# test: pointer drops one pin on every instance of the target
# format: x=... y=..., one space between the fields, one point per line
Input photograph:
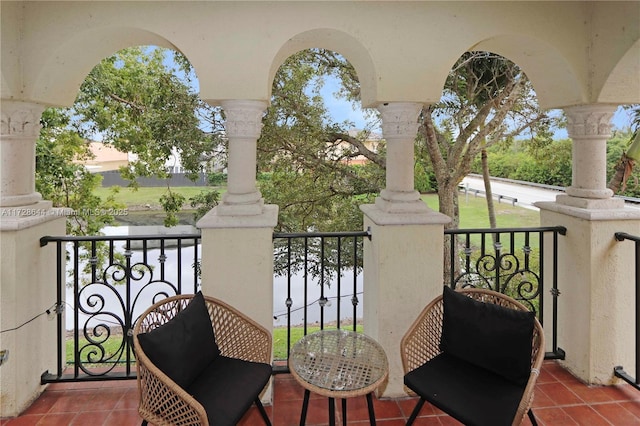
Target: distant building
x=106 y=158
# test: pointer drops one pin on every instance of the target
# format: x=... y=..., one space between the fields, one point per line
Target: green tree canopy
x=307 y=155
x=486 y=99
x=136 y=102
x=139 y=103
x=65 y=182
x=142 y=101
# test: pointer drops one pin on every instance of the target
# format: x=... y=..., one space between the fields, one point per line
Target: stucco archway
x=551 y=75
x=59 y=78
x=337 y=41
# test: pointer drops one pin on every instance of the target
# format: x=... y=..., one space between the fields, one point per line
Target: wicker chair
x=460 y=388
x=244 y=355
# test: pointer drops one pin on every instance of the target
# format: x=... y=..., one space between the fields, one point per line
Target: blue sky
x=341 y=110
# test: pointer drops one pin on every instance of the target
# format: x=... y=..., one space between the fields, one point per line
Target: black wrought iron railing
x=104 y=283
x=619 y=370
x=513 y=261
x=317 y=283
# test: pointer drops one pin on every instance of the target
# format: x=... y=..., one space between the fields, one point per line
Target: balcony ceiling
x=574 y=52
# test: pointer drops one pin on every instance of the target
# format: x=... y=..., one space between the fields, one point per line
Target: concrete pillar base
x=590 y=203
x=28 y=277
x=596 y=284
x=247 y=209
x=403 y=267
x=394 y=206
x=237 y=263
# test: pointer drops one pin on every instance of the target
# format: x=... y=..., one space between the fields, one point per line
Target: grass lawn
x=473 y=210
x=473 y=213
x=113 y=345
x=144 y=205
x=280 y=337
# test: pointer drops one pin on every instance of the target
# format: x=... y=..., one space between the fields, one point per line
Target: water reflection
x=166 y=266
x=151 y=274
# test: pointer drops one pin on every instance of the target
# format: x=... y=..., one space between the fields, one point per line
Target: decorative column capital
x=20 y=119
x=589 y=126
x=243 y=118
x=399 y=128
x=587 y=121
x=400 y=119
x=19 y=131
x=243 y=124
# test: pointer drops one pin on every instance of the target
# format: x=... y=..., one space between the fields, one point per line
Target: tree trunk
x=621 y=174
x=624 y=167
x=448 y=200
x=487 y=189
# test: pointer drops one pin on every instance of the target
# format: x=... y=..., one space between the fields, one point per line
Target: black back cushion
x=185 y=345
x=493 y=337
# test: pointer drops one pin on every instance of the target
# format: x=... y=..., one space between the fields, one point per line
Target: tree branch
x=359 y=146
x=126 y=102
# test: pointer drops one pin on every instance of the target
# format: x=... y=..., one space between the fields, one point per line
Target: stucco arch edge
x=554 y=79
x=337 y=41
x=623 y=83
x=62 y=72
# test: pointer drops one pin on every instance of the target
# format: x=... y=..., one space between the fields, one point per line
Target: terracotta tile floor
x=560 y=400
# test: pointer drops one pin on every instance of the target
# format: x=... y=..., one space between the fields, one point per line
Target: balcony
x=586 y=73
x=560 y=399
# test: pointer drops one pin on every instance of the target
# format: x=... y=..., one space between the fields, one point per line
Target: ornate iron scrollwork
x=106 y=310
x=502 y=272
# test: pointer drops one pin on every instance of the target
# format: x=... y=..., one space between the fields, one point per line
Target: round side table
x=338 y=364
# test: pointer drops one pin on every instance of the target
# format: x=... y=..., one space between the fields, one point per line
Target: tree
x=60 y=179
x=624 y=167
x=305 y=163
x=307 y=156
x=137 y=103
x=486 y=99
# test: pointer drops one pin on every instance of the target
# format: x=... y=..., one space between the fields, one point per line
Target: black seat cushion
x=474 y=396
x=490 y=336
x=227 y=388
x=183 y=346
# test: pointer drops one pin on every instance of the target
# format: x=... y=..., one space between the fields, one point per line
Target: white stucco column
x=403 y=261
x=242 y=125
x=237 y=235
x=589 y=126
x=27 y=271
x=399 y=128
x=595 y=274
